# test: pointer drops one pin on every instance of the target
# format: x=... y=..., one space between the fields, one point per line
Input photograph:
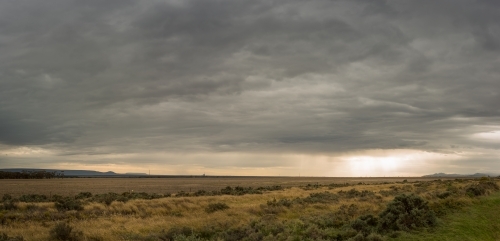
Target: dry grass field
x=307 y=209
x=73 y=186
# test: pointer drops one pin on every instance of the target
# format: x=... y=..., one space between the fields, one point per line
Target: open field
x=307 y=209
x=73 y=186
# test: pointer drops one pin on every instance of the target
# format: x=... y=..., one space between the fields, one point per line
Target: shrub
x=213 y=207
x=336 y=185
x=365 y=224
x=68 y=204
x=6 y=197
x=348 y=211
x=5 y=237
x=282 y=202
x=83 y=195
x=174 y=232
x=321 y=197
x=406 y=212
x=355 y=193
x=443 y=195
x=64 y=232
x=108 y=198
x=33 y=198
x=182 y=194
x=475 y=190
x=9 y=205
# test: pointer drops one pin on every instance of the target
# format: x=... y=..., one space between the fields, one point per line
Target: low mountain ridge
x=72 y=172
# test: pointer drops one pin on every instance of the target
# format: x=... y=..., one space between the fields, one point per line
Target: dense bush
x=482 y=188
x=406 y=212
x=353 y=193
x=67 y=204
x=443 y=195
x=213 y=207
x=64 y=232
x=83 y=195
x=33 y=198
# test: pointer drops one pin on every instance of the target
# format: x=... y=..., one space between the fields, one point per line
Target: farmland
x=235 y=208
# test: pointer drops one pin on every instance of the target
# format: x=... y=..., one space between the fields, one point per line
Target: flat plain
x=73 y=186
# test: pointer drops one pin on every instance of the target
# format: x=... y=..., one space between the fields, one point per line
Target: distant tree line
x=31 y=175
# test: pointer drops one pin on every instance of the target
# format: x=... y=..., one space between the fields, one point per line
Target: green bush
x=213 y=207
x=64 y=232
x=365 y=224
x=353 y=193
x=83 y=195
x=482 y=188
x=475 y=190
x=67 y=204
x=33 y=198
x=406 y=212
x=444 y=195
x=321 y=197
x=278 y=203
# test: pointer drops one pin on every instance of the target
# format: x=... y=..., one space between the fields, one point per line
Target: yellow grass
x=121 y=221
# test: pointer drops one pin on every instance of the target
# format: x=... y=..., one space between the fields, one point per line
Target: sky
x=251 y=87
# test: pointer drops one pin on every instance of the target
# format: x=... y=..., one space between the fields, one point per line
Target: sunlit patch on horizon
x=392 y=162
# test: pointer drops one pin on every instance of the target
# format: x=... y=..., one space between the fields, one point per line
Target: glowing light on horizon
x=392 y=162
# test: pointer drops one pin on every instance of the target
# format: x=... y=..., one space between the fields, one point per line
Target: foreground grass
x=480 y=222
x=312 y=212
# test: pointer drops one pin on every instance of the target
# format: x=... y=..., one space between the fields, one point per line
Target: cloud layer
x=86 y=82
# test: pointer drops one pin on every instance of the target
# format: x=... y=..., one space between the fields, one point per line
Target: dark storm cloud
x=103 y=77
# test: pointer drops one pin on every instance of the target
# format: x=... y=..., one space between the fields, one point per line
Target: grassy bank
x=479 y=221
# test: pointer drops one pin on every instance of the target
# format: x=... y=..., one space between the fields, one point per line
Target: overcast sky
x=224 y=87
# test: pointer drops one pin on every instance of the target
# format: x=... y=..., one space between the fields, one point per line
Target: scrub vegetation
x=403 y=210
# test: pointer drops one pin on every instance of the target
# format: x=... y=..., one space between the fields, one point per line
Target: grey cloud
x=109 y=77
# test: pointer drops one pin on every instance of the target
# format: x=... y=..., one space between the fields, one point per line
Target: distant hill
x=75 y=173
x=462 y=175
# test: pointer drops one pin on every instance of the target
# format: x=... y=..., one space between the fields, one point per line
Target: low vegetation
x=344 y=211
